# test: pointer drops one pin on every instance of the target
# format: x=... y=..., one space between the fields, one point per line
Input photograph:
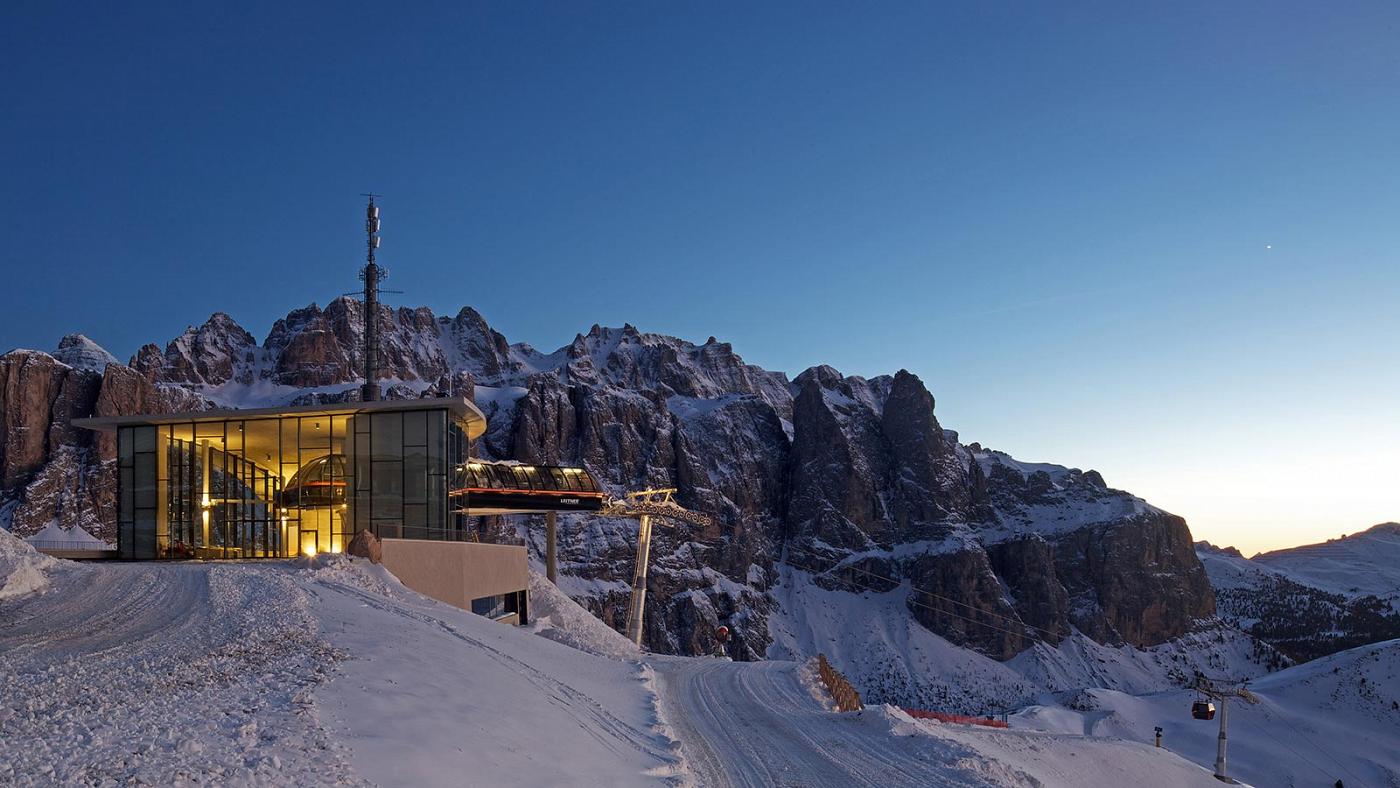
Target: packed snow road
x=757 y=724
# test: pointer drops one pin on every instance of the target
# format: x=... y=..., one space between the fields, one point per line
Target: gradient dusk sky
x=1164 y=244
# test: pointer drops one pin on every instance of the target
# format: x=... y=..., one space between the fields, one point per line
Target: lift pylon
x=644 y=505
x=1222 y=690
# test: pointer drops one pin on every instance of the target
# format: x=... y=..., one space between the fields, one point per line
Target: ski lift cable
x=931 y=608
x=916 y=603
x=1319 y=748
x=1015 y=622
x=1306 y=760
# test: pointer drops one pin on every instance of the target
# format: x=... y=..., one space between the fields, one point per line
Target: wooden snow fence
x=846 y=696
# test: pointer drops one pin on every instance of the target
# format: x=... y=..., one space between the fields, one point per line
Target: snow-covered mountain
x=851 y=482
x=1316 y=599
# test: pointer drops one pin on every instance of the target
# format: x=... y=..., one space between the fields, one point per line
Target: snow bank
x=555 y=616
x=349 y=570
x=23 y=570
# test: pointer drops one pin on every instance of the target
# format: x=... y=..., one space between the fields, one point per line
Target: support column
x=639 y=582
x=1220 y=743
x=551 y=568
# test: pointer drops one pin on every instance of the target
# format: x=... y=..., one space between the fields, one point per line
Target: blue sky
x=1059 y=216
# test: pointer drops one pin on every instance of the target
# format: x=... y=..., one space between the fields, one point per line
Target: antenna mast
x=371 y=275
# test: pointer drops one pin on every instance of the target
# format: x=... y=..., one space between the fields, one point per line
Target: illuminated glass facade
x=267 y=485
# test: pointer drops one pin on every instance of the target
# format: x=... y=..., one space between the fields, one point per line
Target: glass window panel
x=340 y=435
x=387 y=480
x=209 y=429
x=360 y=510
x=386 y=435
x=361 y=461
x=415 y=428
x=144 y=534
x=315 y=433
x=145 y=439
x=126 y=487
x=436 y=419
x=415 y=474
x=144 y=481
x=260 y=443
x=288 y=429
x=234 y=437
x=436 y=509
x=182 y=432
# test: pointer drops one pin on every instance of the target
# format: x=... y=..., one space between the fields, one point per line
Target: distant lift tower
x=1223 y=691
x=372 y=274
x=645 y=505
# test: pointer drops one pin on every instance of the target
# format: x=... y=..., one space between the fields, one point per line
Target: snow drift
x=23 y=570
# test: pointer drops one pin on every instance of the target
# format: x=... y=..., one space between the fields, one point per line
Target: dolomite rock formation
x=852 y=480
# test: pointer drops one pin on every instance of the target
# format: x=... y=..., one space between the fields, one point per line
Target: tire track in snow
x=753 y=724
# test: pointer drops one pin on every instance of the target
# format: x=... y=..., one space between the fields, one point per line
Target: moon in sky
x=1268 y=246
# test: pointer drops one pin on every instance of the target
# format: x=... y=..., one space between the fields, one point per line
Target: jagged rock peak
x=215 y=353
x=79 y=352
x=1206 y=547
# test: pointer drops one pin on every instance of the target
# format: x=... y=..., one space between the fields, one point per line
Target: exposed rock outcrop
x=853 y=480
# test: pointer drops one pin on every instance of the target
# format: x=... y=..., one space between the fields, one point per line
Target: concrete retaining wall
x=457 y=572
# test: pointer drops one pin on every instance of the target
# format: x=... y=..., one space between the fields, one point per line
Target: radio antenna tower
x=372 y=274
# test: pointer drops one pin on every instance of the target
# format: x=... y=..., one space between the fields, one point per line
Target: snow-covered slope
x=1362 y=564
x=892 y=659
x=485 y=703
x=328 y=671
x=1314 y=600
x=1335 y=718
x=302 y=673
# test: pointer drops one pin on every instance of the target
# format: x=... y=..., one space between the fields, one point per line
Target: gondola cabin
x=483 y=488
x=321 y=482
x=1203 y=710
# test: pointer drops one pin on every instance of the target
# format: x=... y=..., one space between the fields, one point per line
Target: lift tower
x=644 y=505
x=1222 y=690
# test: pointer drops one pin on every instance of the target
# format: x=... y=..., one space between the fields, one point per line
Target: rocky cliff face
x=853 y=482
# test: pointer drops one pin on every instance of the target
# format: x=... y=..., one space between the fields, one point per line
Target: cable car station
x=303 y=480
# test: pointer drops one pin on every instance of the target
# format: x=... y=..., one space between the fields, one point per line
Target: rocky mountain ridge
x=850 y=480
x=1312 y=600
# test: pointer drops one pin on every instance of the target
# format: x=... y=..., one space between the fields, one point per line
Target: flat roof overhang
x=466 y=413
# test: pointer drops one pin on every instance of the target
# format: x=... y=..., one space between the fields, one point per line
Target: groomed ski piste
x=328 y=671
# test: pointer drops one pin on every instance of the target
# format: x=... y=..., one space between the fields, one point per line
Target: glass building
x=277 y=482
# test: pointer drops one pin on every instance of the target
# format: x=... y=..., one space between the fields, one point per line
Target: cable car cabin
x=1203 y=710
x=510 y=488
x=320 y=482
